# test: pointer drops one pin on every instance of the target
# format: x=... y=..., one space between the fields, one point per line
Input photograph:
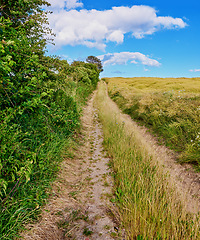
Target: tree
x=23 y=30
x=96 y=61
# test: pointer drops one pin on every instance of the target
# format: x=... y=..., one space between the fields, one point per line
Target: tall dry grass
x=170 y=107
x=149 y=205
x=150 y=84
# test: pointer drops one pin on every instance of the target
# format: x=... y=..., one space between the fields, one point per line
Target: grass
x=68 y=224
x=87 y=232
x=26 y=204
x=31 y=157
x=149 y=206
x=170 y=107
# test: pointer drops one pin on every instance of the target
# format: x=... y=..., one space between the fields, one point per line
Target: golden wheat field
x=148 y=84
x=168 y=106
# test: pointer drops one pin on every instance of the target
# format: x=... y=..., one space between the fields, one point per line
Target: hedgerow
x=40 y=104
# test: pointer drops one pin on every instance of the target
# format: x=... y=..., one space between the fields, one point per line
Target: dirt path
x=81 y=208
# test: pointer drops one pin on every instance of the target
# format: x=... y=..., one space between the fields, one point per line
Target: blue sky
x=134 y=38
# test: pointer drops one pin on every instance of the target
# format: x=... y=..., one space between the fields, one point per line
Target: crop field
x=149 y=204
x=170 y=107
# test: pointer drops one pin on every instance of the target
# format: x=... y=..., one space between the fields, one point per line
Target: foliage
x=40 y=103
x=96 y=61
x=85 y=72
x=170 y=107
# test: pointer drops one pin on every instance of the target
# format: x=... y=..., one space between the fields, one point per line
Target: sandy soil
x=81 y=208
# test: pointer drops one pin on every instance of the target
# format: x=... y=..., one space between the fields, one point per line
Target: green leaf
x=44 y=94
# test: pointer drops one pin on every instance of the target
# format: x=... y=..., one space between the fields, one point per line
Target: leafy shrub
x=40 y=104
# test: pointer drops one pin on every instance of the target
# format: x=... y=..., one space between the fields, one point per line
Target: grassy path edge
x=149 y=204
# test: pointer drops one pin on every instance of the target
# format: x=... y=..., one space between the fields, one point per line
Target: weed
x=73 y=194
x=87 y=232
x=59 y=213
x=107 y=227
x=63 y=224
x=97 y=217
x=113 y=234
x=106 y=184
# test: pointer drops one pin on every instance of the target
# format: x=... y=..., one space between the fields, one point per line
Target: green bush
x=40 y=103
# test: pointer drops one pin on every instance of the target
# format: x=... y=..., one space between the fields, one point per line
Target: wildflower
x=191 y=140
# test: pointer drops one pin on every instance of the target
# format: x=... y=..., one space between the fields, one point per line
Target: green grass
x=87 y=232
x=33 y=145
x=170 y=107
x=149 y=205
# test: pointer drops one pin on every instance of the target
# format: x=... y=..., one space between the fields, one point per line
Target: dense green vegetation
x=170 y=107
x=40 y=104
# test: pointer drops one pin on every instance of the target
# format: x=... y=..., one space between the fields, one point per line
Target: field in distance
x=168 y=106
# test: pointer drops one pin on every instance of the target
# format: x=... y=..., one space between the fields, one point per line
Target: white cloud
x=61 y=4
x=195 y=70
x=57 y=4
x=73 y=4
x=116 y=36
x=95 y=28
x=124 y=57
